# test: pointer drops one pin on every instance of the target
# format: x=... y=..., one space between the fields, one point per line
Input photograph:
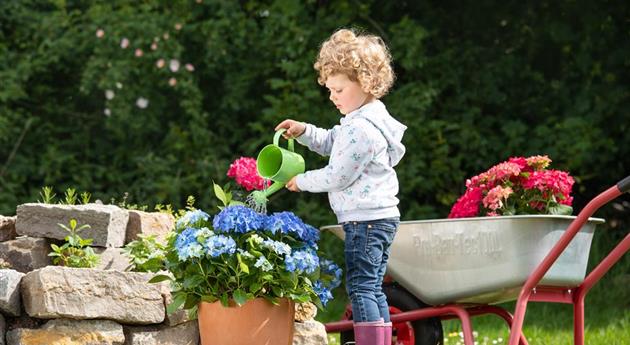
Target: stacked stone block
x=42 y=304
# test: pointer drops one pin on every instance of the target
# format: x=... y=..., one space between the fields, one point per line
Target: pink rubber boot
x=369 y=333
x=387 y=333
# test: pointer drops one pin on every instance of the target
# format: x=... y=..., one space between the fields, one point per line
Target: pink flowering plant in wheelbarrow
x=239 y=254
x=517 y=186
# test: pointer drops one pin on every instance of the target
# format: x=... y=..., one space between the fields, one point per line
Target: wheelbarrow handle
x=624 y=185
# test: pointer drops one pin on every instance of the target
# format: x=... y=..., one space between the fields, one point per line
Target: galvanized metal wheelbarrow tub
x=462 y=266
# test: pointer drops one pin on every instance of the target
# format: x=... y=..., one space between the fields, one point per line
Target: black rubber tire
x=426 y=331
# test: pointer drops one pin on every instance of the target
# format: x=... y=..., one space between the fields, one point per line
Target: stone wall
x=41 y=304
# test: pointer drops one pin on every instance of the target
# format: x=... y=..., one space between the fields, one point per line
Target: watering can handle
x=276 y=139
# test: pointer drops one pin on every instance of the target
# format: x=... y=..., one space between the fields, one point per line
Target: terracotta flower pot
x=257 y=322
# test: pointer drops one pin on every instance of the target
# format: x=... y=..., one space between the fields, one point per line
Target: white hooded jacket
x=359 y=178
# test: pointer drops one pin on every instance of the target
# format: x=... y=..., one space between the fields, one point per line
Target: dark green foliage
x=477 y=82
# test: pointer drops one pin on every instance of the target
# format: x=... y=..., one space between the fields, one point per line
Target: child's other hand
x=294 y=128
x=292 y=185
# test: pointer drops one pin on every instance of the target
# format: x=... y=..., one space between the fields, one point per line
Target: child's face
x=346 y=94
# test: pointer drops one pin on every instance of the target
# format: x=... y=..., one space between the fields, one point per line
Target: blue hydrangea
x=192 y=217
x=263 y=264
x=238 y=219
x=310 y=235
x=289 y=223
x=322 y=292
x=305 y=260
x=186 y=244
x=204 y=232
x=329 y=267
x=279 y=248
x=220 y=244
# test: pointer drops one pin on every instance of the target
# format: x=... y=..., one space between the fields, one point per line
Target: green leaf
x=191 y=301
x=218 y=192
x=255 y=287
x=241 y=264
x=178 y=300
x=240 y=297
x=301 y=298
x=560 y=209
x=224 y=299
x=160 y=278
x=209 y=299
x=192 y=282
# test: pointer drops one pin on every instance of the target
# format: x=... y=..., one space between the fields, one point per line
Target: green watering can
x=277 y=164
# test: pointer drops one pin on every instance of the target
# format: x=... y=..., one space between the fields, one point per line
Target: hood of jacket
x=376 y=113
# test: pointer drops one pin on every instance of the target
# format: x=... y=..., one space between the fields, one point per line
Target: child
x=360 y=177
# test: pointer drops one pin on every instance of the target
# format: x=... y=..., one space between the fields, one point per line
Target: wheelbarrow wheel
x=419 y=332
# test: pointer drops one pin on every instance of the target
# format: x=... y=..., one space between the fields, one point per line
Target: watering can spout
x=276 y=186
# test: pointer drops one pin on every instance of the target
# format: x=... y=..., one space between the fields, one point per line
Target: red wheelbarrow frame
x=531 y=291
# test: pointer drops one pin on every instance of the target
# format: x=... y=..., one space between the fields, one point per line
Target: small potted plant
x=240 y=269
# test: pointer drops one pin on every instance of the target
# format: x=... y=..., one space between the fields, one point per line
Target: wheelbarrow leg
x=593 y=277
x=516 y=331
x=466 y=324
x=500 y=312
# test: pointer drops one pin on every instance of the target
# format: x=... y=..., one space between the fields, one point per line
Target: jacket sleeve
x=351 y=154
x=318 y=139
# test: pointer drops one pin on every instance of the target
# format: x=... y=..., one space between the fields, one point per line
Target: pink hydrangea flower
x=517 y=186
x=538 y=162
x=495 y=197
x=468 y=204
x=244 y=171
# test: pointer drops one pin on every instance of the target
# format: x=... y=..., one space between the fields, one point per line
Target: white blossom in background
x=142 y=103
x=189 y=67
x=107 y=112
x=172 y=82
x=118 y=85
x=124 y=43
x=166 y=36
x=139 y=52
x=100 y=33
x=160 y=63
x=109 y=94
x=174 y=65
x=153 y=46
x=178 y=26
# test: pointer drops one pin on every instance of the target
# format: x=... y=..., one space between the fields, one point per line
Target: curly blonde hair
x=361 y=57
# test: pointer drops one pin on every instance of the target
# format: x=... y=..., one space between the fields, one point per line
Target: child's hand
x=292 y=185
x=294 y=128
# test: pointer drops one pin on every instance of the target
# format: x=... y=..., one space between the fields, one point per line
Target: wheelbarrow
x=458 y=268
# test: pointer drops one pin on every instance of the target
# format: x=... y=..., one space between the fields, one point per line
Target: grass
x=544 y=325
x=607 y=311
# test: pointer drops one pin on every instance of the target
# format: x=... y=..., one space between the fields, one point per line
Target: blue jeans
x=367 y=246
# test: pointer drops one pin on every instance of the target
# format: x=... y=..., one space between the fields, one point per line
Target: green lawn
x=549 y=325
x=542 y=328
